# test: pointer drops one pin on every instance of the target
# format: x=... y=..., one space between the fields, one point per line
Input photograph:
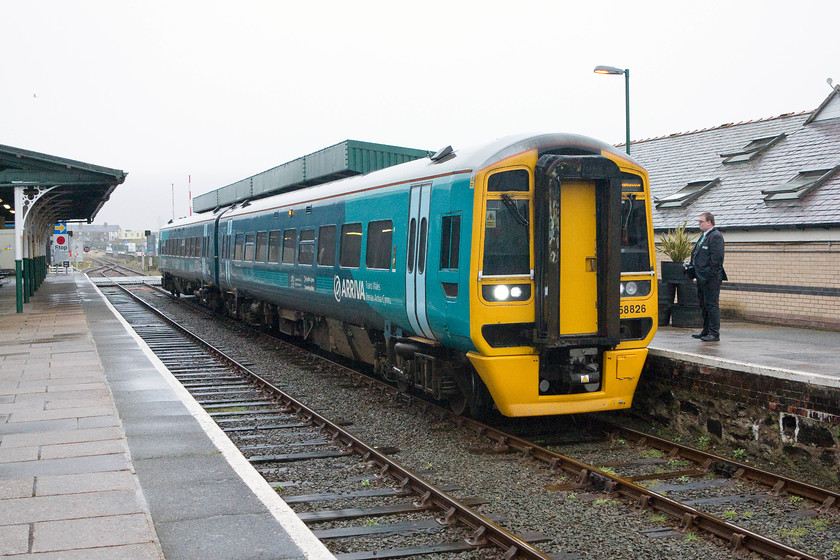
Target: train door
x=415 y=264
x=228 y=228
x=578 y=250
x=205 y=253
x=578 y=257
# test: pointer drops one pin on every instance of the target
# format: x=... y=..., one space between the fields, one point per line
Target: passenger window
x=306 y=248
x=326 y=246
x=412 y=238
x=239 y=249
x=249 y=247
x=182 y=252
x=449 y=242
x=351 y=245
x=289 y=246
x=378 y=253
x=262 y=246
x=516 y=180
x=421 y=258
x=274 y=238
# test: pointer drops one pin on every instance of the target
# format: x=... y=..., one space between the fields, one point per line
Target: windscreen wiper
x=511 y=205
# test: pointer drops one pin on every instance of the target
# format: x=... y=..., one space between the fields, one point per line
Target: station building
x=773 y=186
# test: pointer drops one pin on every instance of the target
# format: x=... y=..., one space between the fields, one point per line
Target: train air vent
x=443 y=154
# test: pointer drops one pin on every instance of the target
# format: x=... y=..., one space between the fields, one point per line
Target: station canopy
x=77 y=190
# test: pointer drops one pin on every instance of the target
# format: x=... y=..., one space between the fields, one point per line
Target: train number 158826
x=628 y=309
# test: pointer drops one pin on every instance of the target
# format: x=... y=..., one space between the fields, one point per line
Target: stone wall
x=772 y=417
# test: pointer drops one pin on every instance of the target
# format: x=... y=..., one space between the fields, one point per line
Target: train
x=516 y=275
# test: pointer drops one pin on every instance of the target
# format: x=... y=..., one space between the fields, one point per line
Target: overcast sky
x=219 y=91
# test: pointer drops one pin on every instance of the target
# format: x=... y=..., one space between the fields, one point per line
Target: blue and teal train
x=518 y=274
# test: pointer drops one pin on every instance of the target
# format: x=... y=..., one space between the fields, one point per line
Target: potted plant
x=676 y=244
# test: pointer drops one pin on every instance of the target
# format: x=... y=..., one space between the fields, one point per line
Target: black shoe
x=699 y=335
x=710 y=338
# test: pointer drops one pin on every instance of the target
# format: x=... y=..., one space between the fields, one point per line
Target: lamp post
x=618 y=71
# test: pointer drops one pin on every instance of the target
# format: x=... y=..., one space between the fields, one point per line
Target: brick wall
x=795 y=283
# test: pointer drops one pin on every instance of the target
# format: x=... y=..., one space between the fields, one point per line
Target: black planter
x=687 y=294
x=686 y=316
x=666 y=294
x=664 y=314
x=673 y=273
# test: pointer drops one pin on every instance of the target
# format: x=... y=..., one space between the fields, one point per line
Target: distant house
x=773 y=186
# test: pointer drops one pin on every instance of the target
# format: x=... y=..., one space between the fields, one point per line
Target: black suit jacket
x=707 y=257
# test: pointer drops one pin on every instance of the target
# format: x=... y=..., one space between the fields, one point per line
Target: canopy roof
x=81 y=188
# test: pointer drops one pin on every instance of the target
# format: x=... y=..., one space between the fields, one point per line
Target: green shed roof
x=344 y=159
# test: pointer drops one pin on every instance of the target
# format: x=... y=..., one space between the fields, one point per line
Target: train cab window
x=326 y=246
x=507 y=181
x=506 y=237
x=289 y=246
x=450 y=236
x=378 y=252
x=306 y=247
x=274 y=238
x=635 y=255
x=239 y=247
x=351 y=245
x=262 y=246
x=250 y=246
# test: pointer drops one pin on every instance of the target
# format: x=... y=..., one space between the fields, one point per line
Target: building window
x=378 y=252
x=685 y=195
x=351 y=245
x=306 y=247
x=326 y=246
x=449 y=237
x=799 y=186
x=289 y=238
x=752 y=150
x=262 y=246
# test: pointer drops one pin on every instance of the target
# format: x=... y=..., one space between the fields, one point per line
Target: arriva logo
x=351 y=289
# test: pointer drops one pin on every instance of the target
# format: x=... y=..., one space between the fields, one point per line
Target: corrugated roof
x=737 y=200
x=344 y=159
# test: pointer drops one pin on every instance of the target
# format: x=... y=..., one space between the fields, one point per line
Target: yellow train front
x=563 y=294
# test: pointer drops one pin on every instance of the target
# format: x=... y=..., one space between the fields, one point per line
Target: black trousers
x=708 y=293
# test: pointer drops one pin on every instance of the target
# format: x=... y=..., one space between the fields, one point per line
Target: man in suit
x=707 y=258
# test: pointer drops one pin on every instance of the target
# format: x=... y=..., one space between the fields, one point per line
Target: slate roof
x=737 y=200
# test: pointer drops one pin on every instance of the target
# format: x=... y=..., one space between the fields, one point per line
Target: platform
x=104 y=455
x=793 y=354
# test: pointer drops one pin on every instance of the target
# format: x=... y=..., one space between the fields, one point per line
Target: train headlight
x=506 y=292
x=635 y=288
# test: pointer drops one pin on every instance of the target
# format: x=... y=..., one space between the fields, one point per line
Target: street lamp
x=618 y=71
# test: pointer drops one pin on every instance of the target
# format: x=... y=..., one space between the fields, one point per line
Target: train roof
x=446 y=162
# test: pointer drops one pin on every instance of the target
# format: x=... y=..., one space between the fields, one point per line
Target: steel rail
x=779 y=483
x=485 y=532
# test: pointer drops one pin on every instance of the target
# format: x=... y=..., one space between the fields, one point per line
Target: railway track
x=274 y=429
x=648 y=472
x=108 y=268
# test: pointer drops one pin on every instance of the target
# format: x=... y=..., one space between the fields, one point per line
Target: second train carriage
x=519 y=272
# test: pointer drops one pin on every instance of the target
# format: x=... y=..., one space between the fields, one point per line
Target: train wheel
x=458 y=404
